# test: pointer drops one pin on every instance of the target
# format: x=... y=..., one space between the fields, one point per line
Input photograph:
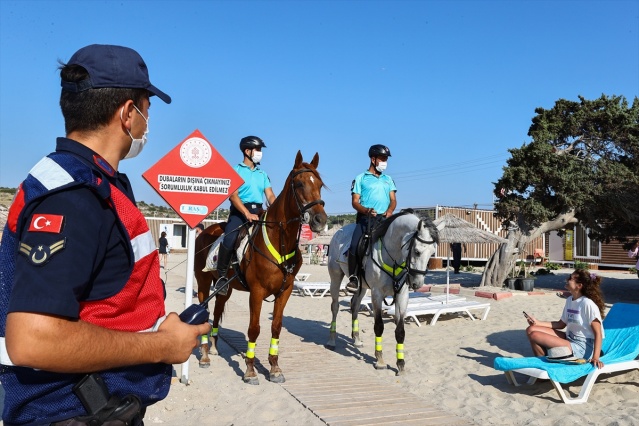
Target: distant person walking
x=456 y=248
x=634 y=253
x=164 y=249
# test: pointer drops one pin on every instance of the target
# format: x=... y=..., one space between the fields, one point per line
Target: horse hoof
x=251 y=380
x=358 y=344
x=205 y=364
x=276 y=378
x=330 y=347
x=400 y=373
x=380 y=366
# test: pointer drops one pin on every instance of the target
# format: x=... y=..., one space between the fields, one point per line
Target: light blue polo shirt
x=255 y=182
x=374 y=191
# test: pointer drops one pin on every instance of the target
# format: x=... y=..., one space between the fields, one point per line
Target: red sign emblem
x=193 y=178
x=46 y=223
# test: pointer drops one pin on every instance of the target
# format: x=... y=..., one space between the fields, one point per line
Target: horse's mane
x=380 y=231
x=432 y=229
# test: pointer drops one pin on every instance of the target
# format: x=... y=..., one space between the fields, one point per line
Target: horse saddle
x=240 y=248
x=364 y=245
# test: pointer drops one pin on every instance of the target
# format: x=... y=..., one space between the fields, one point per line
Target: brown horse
x=271 y=261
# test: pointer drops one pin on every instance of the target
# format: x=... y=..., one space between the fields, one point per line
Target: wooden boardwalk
x=348 y=394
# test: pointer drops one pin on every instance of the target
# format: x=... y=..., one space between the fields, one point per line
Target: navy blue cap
x=112 y=66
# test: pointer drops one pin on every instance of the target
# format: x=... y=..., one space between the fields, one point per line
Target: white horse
x=401 y=249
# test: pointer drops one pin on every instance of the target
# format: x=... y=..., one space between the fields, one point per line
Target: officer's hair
x=92 y=109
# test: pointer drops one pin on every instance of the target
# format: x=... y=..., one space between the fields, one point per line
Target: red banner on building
x=306 y=233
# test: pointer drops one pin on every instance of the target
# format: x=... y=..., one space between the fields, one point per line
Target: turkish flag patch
x=46 y=223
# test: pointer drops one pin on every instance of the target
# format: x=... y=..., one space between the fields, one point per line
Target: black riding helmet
x=251 y=142
x=379 y=151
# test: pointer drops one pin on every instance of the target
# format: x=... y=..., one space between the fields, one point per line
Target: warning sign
x=193 y=178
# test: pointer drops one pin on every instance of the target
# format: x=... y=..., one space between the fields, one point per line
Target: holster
x=104 y=409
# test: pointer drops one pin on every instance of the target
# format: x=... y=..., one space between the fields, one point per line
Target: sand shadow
x=317 y=333
x=183 y=289
x=237 y=341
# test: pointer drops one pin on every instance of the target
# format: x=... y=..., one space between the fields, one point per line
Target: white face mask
x=257 y=157
x=137 y=145
x=381 y=166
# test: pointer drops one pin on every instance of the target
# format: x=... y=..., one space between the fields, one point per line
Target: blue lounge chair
x=620 y=348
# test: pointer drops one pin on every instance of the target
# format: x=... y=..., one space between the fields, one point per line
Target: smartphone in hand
x=526 y=315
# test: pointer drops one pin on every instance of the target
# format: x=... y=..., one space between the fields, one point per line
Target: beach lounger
x=620 y=350
x=314 y=289
x=414 y=298
x=302 y=277
x=438 y=308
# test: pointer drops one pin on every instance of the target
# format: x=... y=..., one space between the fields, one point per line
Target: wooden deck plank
x=363 y=399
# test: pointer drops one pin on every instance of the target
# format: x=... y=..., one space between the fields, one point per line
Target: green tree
x=582 y=165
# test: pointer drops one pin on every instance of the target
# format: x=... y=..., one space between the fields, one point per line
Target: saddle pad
x=211 y=258
x=343 y=256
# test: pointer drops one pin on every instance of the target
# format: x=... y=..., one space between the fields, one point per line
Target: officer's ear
x=125 y=115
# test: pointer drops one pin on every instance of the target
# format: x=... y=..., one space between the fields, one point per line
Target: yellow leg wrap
x=333 y=327
x=214 y=331
x=273 y=350
x=250 y=350
x=400 y=351
x=378 y=343
x=204 y=340
x=355 y=325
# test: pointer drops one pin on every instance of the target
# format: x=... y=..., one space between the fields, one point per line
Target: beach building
x=573 y=245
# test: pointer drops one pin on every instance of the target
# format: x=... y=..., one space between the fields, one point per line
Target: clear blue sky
x=449 y=86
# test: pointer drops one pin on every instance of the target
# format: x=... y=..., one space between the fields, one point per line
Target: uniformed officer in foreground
x=81 y=301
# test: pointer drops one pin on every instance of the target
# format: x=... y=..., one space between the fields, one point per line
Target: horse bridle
x=303 y=208
x=411 y=245
x=304 y=217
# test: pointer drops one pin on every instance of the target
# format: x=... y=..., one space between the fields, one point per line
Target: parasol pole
x=447 y=277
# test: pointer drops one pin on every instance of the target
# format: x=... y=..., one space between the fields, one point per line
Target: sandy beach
x=449 y=365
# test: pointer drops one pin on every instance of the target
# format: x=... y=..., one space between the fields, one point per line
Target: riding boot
x=353 y=281
x=223 y=261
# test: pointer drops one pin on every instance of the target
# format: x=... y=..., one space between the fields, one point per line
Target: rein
x=286 y=262
x=304 y=215
x=399 y=271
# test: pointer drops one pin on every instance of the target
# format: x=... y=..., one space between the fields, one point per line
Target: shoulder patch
x=103 y=164
x=16 y=208
x=46 y=223
x=41 y=254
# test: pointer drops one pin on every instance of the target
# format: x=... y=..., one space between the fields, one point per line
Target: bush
x=581 y=265
x=552 y=266
x=632 y=270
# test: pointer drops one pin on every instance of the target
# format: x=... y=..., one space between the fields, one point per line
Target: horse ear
x=298 y=160
x=315 y=160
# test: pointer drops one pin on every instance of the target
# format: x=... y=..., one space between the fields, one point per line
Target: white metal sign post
x=194 y=179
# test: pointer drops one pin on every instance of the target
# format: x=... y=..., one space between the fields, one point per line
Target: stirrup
x=222 y=286
x=353 y=284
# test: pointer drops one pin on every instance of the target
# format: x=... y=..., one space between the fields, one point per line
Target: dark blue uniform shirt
x=96 y=260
